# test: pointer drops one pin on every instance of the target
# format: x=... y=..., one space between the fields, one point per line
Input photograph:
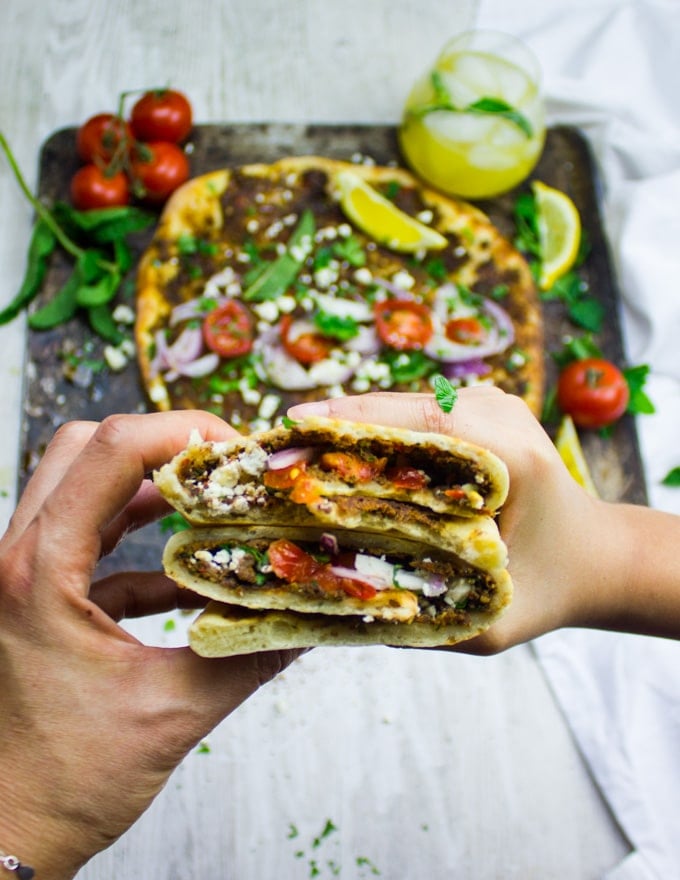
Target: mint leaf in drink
x=503 y=109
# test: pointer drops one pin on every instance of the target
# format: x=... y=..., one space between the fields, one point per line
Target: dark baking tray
x=51 y=399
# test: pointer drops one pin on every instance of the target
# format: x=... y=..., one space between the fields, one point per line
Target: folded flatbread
x=329 y=532
x=278 y=586
x=317 y=463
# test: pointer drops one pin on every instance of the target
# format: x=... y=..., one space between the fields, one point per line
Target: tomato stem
x=44 y=213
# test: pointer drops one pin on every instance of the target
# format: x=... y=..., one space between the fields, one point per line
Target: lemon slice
x=559 y=232
x=570 y=450
x=382 y=220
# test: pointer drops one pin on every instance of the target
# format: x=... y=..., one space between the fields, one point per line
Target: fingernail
x=315 y=408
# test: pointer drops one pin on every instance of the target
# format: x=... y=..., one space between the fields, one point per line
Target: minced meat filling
x=246 y=566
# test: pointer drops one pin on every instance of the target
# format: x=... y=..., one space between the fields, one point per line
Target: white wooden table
x=427 y=764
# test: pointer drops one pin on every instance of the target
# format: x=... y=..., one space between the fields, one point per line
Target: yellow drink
x=473 y=125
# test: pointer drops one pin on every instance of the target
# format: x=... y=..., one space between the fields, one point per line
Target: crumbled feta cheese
x=344 y=230
x=267 y=311
x=425 y=216
x=253 y=225
x=403 y=280
x=115 y=358
x=363 y=276
x=268 y=406
x=123 y=314
x=286 y=304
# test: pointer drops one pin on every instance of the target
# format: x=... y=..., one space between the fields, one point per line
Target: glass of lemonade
x=473 y=125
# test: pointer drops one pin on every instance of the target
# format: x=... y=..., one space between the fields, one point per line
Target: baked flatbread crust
x=212 y=224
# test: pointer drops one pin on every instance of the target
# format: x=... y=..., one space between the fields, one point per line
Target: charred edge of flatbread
x=195 y=209
x=223 y=630
x=191 y=559
x=187 y=482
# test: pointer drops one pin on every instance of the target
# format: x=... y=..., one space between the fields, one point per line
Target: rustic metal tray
x=50 y=398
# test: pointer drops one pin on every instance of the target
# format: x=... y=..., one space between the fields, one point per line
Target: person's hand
x=550 y=525
x=92 y=722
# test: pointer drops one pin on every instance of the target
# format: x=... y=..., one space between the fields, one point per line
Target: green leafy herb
x=203 y=748
x=173 y=522
x=281 y=272
x=327 y=830
x=436 y=269
x=169 y=625
x=672 y=478
x=335 y=326
x=364 y=862
x=288 y=423
x=351 y=250
x=444 y=392
x=639 y=403
x=292 y=832
x=409 y=366
x=95 y=241
x=484 y=105
x=576 y=349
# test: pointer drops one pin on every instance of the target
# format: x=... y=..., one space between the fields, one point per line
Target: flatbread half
x=329 y=468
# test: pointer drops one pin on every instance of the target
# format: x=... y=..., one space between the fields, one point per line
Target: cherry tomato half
x=228 y=330
x=161 y=115
x=403 y=324
x=466 y=331
x=91 y=187
x=159 y=169
x=101 y=137
x=294 y=565
x=306 y=348
x=593 y=391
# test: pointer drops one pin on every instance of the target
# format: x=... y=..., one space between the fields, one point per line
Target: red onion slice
x=195 y=308
x=287 y=457
x=352 y=574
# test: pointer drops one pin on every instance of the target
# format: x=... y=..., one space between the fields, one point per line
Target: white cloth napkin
x=611 y=68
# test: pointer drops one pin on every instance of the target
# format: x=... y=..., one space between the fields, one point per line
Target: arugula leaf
x=444 y=392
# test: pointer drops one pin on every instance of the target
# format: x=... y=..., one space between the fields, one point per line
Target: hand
x=92 y=722
x=549 y=523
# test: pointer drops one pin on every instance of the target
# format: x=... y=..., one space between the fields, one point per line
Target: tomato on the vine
x=92 y=187
x=158 y=170
x=228 y=331
x=102 y=137
x=403 y=323
x=593 y=391
x=162 y=115
x=307 y=348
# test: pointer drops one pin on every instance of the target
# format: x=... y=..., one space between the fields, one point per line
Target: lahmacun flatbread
x=258 y=292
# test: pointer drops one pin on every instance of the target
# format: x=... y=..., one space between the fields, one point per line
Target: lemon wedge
x=379 y=218
x=559 y=232
x=569 y=447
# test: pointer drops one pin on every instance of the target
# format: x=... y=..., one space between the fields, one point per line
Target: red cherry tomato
x=307 y=348
x=594 y=392
x=91 y=187
x=294 y=565
x=406 y=477
x=158 y=170
x=403 y=324
x=466 y=331
x=161 y=115
x=352 y=468
x=101 y=137
x=228 y=330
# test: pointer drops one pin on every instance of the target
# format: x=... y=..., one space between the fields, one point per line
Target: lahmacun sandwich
x=316 y=462
x=357 y=559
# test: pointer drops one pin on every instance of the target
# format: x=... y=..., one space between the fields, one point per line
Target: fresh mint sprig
x=484 y=105
x=444 y=393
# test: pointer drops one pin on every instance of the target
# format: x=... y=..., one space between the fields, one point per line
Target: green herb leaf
x=43 y=242
x=281 y=272
x=350 y=249
x=576 y=349
x=336 y=326
x=102 y=323
x=173 y=522
x=444 y=392
x=639 y=403
x=527 y=238
x=504 y=110
x=409 y=366
x=102 y=225
x=672 y=478
x=100 y=292
x=587 y=313
x=61 y=308
x=288 y=423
